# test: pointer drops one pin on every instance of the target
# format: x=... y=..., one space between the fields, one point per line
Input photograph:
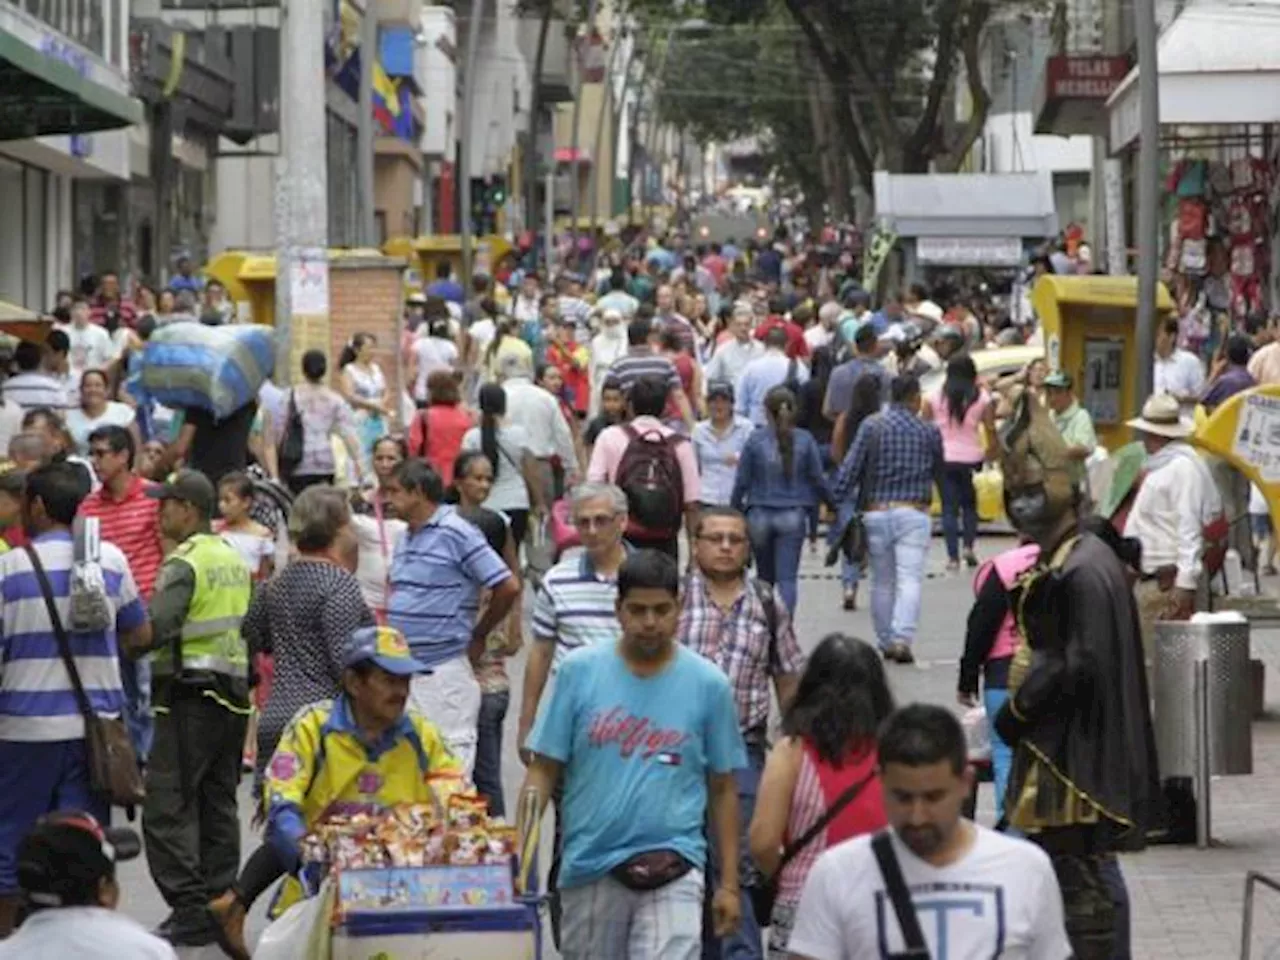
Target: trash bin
x=1224 y=647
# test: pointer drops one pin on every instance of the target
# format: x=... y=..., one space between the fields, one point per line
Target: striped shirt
x=34 y=389
x=132 y=523
x=576 y=607
x=437 y=573
x=640 y=362
x=37 y=702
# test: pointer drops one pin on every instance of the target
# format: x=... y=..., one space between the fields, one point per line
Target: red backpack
x=649 y=474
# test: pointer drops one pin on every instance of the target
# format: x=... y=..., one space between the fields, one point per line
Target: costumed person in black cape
x=1083 y=778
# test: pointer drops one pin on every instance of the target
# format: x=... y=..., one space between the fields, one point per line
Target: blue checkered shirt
x=907 y=460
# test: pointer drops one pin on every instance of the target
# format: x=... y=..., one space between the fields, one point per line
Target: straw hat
x=1162 y=416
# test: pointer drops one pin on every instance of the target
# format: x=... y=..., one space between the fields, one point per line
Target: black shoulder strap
x=850 y=794
x=875 y=438
x=765 y=593
x=64 y=644
x=896 y=887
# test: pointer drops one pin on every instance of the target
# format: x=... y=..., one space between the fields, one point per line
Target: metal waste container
x=1218 y=654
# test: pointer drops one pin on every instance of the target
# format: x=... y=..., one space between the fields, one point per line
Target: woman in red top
x=829 y=746
x=570 y=359
x=437 y=431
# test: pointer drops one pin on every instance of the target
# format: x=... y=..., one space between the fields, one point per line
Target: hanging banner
x=309 y=283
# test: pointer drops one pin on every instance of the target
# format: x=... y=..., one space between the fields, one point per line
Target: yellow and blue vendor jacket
x=324 y=766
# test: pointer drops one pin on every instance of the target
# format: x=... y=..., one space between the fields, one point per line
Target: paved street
x=1186 y=903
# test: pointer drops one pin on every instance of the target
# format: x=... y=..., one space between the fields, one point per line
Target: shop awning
x=967 y=205
x=42 y=95
x=1219 y=65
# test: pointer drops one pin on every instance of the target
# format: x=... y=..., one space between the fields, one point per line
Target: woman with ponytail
x=828 y=748
x=507 y=447
x=780 y=479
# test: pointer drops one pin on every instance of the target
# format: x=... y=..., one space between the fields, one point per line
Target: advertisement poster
x=1100 y=391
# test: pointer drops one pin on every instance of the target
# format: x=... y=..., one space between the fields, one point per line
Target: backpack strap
x=767 y=600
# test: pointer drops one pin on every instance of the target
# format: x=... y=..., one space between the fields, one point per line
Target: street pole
x=302 y=191
x=364 y=126
x=548 y=215
x=576 y=132
x=464 y=131
x=1148 y=233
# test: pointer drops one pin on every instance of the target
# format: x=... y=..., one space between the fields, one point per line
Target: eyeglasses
x=597 y=522
x=723 y=539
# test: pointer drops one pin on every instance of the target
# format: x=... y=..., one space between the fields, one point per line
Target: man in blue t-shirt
x=644 y=733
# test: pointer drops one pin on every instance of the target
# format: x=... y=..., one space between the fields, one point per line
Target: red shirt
x=797 y=347
x=436 y=436
x=575 y=376
x=15 y=536
x=132 y=523
x=125 y=310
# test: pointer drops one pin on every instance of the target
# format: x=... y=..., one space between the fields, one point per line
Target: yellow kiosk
x=424 y=254
x=1244 y=430
x=250 y=279
x=1090 y=333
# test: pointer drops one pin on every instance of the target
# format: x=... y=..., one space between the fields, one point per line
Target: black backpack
x=649 y=474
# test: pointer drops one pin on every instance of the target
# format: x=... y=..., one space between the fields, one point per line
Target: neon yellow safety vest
x=211 y=635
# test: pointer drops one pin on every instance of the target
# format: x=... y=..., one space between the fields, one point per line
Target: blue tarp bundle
x=218 y=369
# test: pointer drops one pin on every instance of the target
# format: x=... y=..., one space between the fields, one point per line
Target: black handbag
x=763 y=896
x=900 y=897
x=292 y=443
x=851 y=541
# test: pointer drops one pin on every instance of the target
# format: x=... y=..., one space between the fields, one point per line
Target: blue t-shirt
x=637 y=752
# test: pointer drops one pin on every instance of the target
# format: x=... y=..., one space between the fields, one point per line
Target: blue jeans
x=488 y=770
x=136 y=677
x=850 y=573
x=747 y=942
x=959 y=504
x=1001 y=752
x=898 y=543
x=777 y=537
x=38 y=778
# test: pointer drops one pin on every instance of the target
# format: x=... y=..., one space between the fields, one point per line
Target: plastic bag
x=977 y=733
x=301 y=931
x=539 y=553
x=218 y=369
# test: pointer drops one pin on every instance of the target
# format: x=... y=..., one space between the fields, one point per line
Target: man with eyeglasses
x=742 y=626
x=576 y=607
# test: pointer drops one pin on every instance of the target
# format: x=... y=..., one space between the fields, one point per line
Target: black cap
x=720 y=390
x=189 y=486
x=66 y=854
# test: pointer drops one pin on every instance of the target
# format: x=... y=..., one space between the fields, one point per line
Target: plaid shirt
x=907 y=460
x=125 y=309
x=737 y=641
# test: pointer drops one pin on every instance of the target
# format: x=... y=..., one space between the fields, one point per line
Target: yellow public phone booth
x=250 y=279
x=1090 y=333
x=1244 y=430
x=225 y=268
x=424 y=254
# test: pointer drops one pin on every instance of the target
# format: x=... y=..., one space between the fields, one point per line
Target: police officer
x=201 y=694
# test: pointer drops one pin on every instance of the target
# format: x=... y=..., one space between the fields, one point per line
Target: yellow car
x=992 y=365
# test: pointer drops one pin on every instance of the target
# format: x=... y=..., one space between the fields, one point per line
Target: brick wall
x=366 y=296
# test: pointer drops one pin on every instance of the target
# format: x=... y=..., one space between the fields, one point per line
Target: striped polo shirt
x=640 y=362
x=436 y=576
x=576 y=607
x=36 y=697
x=132 y=523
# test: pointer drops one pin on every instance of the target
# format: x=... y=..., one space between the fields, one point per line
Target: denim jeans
x=959 y=504
x=777 y=537
x=898 y=543
x=488 y=773
x=1001 y=752
x=747 y=942
x=136 y=678
x=850 y=573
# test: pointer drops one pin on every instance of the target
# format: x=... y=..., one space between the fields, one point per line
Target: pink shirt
x=612 y=443
x=960 y=442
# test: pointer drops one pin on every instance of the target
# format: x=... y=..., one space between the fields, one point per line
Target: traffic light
x=497 y=193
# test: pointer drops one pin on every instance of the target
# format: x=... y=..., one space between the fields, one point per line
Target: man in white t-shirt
x=67 y=872
x=91 y=347
x=976 y=893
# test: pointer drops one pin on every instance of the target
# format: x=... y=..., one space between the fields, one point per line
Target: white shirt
x=523 y=308
x=482 y=333
x=36 y=389
x=817 y=336
x=433 y=353
x=377 y=545
x=1000 y=899
x=547 y=432
x=730 y=359
x=1176 y=499
x=91 y=347
x=81 y=424
x=509 y=491
x=10 y=423
x=1181 y=374
x=86 y=933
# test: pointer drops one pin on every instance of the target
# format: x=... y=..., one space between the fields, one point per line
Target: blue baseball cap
x=383 y=646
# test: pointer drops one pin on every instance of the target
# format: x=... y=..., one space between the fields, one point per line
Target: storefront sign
x=969 y=251
x=1084 y=78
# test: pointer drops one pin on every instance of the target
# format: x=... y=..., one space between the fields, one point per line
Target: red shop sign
x=1084 y=78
